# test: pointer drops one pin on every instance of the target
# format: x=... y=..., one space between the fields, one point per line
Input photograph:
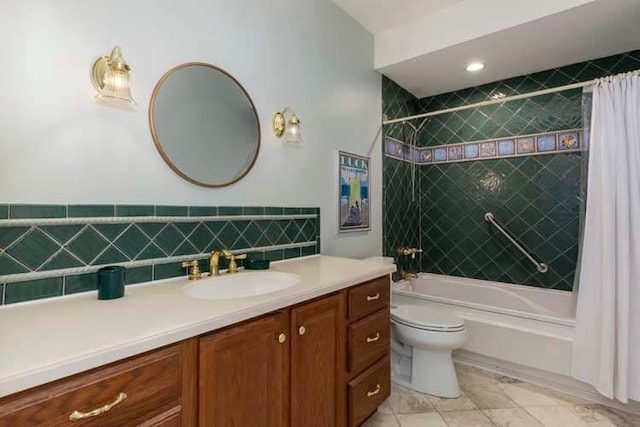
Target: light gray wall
x=59 y=146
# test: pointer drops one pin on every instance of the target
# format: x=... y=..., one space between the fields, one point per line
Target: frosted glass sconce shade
x=288 y=130
x=111 y=77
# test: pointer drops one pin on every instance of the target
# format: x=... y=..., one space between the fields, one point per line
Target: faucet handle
x=408 y=251
x=193 y=269
x=233 y=267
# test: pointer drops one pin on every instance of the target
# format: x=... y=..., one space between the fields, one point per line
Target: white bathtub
x=520 y=325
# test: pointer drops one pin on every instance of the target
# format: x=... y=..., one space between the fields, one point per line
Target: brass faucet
x=406 y=251
x=214 y=261
x=193 y=269
x=409 y=251
x=407 y=275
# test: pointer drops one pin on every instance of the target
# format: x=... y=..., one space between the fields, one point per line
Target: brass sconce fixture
x=110 y=76
x=289 y=130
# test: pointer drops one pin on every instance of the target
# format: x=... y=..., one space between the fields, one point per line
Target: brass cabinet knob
x=282 y=338
x=302 y=330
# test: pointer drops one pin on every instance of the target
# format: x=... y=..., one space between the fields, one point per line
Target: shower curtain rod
x=493 y=101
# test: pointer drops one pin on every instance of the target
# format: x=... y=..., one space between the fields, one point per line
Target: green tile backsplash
x=90 y=235
x=37 y=211
x=34 y=289
x=537 y=198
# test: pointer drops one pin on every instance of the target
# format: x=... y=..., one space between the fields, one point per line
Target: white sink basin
x=241 y=285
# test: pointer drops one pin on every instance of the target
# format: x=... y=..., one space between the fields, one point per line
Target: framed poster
x=353 y=190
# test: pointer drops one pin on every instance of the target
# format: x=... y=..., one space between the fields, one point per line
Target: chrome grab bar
x=540 y=266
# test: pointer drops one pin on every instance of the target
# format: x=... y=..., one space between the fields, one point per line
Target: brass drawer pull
x=374 y=339
x=374 y=392
x=302 y=330
x=77 y=415
x=282 y=338
x=373 y=297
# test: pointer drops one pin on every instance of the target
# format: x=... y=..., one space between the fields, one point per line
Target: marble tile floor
x=492 y=400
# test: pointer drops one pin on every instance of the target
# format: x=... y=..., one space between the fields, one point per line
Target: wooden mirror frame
x=156 y=139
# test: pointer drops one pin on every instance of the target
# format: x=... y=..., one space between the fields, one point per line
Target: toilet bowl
x=428 y=336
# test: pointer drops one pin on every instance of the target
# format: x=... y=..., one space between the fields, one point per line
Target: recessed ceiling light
x=475 y=66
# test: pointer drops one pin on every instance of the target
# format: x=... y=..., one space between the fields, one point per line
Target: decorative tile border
x=4 y=223
x=398 y=149
x=45 y=247
x=516 y=146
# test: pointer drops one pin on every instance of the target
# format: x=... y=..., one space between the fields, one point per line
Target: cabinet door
x=242 y=375
x=317 y=362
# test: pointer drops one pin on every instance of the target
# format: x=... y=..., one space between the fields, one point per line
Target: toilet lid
x=427 y=318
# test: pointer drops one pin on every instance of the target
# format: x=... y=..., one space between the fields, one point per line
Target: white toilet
x=427 y=336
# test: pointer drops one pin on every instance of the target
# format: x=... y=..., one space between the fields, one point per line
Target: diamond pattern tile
x=87 y=244
x=401 y=218
x=396 y=102
x=132 y=241
x=201 y=237
x=540 y=209
x=8 y=265
x=34 y=248
x=10 y=235
x=546 y=113
x=110 y=256
x=62 y=259
x=169 y=239
x=536 y=198
x=52 y=247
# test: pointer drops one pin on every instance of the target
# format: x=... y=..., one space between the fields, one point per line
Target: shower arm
x=540 y=266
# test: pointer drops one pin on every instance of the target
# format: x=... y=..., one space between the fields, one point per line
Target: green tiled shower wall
x=401 y=212
x=401 y=219
x=31 y=245
x=537 y=198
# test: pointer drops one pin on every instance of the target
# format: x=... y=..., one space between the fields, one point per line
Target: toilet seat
x=427 y=319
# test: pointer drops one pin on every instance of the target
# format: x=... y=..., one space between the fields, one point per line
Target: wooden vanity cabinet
x=243 y=374
x=331 y=370
x=322 y=363
x=279 y=370
x=317 y=363
x=368 y=337
x=156 y=389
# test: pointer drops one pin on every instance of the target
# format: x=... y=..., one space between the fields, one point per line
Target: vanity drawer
x=368 y=340
x=147 y=388
x=369 y=297
x=368 y=391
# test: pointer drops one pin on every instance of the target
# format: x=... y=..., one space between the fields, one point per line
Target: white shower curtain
x=606 y=348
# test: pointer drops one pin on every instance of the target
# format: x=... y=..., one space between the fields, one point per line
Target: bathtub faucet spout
x=409 y=251
x=406 y=257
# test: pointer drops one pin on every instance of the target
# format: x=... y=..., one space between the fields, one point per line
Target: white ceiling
x=425 y=50
x=380 y=15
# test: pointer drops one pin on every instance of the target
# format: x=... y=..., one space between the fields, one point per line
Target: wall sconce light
x=110 y=76
x=288 y=130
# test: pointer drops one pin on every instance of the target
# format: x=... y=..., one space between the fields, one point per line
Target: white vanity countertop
x=45 y=340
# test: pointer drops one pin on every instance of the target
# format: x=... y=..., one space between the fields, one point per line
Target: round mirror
x=204 y=124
